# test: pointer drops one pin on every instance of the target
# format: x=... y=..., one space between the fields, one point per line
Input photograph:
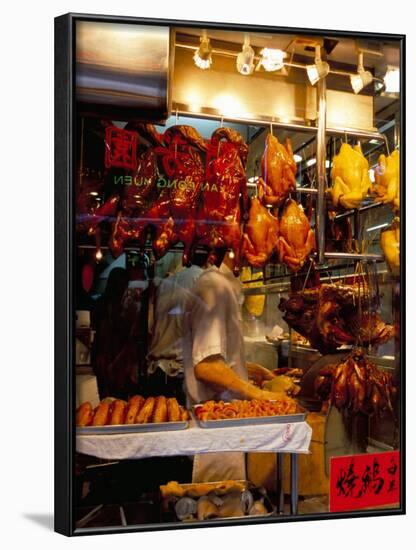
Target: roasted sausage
x=133 y=408
x=145 y=414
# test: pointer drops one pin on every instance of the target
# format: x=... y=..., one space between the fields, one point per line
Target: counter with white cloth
x=291 y=438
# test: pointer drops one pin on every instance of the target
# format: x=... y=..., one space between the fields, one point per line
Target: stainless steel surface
x=266 y=121
x=122 y=70
x=132 y=428
x=350 y=256
x=230 y=422
x=293 y=484
x=321 y=172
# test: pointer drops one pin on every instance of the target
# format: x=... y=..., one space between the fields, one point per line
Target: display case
x=228 y=277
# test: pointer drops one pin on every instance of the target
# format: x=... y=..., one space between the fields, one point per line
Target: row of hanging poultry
x=178 y=187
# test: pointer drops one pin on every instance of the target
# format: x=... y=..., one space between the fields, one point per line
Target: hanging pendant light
x=363 y=78
x=245 y=59
x=319 y=69
x=202 y=56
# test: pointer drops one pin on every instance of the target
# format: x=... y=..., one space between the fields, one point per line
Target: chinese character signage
x=120 y=148
x=364 y=481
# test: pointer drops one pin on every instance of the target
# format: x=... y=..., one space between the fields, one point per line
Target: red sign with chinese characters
x=120 y=148
x=364 y=481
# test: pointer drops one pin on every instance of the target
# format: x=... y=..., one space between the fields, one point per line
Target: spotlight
x=363 y=78
x=245 y=59
x=272 y=60
x=320 y=68
x=202 y=56
x=297 y=158
x=392 y=80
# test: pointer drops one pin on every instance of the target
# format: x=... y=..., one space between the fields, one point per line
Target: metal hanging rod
x=278 y=124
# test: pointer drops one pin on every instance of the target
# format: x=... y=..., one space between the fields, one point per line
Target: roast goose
x=331 y=315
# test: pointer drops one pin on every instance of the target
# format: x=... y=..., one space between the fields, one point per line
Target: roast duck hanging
x=173 y=214
x=278 y=168
x=331 y=315
x=357 y=385
x=350 y=178
x=224 y=196
x=138 y=192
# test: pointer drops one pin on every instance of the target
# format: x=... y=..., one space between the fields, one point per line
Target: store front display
x=228 y=274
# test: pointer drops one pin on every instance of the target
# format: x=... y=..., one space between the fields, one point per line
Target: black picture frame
x=64 y=383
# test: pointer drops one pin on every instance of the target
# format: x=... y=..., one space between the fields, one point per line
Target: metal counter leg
x=293 y=483
x=279 y=483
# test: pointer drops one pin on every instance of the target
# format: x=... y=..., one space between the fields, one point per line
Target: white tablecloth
x=285 y=438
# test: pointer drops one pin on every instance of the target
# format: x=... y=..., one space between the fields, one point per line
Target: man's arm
x=215 y=372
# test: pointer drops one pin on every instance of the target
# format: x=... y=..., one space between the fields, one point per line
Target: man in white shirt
x=214 y=359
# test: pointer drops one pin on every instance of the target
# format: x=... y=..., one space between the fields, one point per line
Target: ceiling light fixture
x=392 y=80
x=202 y=56
x=319 y=70
x=245 y=59
x=272 y=60
x=363 y=78
x=297 y=158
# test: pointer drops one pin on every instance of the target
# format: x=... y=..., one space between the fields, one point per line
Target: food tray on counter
x=299 y=416
x=133 y=428
x=192 y=492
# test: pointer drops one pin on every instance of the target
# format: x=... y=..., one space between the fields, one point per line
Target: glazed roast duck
x=224 y=198
x=136 y=198
x=331 y=315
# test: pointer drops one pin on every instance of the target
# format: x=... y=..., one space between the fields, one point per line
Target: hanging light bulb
x=363 y=78
x=245 y=59
x=319 y=69
x=202 y=56
x=272 y=60
x=392 y=80
x=98 y=255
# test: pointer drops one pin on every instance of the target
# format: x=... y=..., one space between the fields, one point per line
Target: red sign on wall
x=364 y=481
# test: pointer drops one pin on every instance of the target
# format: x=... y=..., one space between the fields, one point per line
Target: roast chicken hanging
x=297 y=239
x=261 y=232
x=350 y=178
x=278 y=170
x=387 y=180
x=390 y=244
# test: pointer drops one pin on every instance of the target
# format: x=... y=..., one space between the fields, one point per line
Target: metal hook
x=176 y=116
x=271 y=128
x=222 y=121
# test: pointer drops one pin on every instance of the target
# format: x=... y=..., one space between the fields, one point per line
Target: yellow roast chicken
x=297 y=239
x=253 y=303
x=390 y=244
x=350 y=178
x=387 y=179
